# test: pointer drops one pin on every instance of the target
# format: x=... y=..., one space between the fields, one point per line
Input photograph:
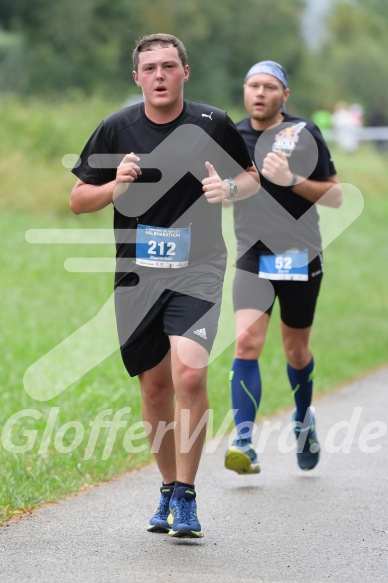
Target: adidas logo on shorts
x=201 y=332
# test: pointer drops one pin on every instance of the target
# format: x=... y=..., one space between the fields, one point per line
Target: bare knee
x=155 y=393
x=189 y=382
x=298 y=356
x=248 y=345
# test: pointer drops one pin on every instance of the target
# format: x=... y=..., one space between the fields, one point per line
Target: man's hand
x=215 y=189
x=276 y=169
x=126 y=173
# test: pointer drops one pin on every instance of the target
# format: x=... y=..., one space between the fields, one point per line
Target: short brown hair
x=146 y=43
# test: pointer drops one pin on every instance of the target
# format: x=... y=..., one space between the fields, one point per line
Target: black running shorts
x=148 y=314
x=297 y=299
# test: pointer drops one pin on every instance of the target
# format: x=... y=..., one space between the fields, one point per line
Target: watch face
x=233 y=192
x=233 y=189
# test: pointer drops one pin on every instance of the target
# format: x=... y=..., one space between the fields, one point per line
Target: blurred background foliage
x=61 y=49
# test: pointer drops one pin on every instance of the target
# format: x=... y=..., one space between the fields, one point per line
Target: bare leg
x=251 y=330
x=296 y=345
x=158 y=406
x=192 y=405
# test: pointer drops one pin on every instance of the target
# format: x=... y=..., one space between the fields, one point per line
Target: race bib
x=162 y=247
x=291 y=265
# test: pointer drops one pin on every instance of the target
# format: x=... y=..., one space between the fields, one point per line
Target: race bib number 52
x=291 y=265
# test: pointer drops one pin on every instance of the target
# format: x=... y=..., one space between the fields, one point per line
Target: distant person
x=296 y=170
x=345 y=126
x=357 y=111
x=170 y=254
x=322 y=118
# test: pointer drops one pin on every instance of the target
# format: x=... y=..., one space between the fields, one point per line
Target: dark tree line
x=84 y=46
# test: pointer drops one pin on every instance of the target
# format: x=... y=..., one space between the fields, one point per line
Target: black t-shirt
x=260 y=223
x=176 y=160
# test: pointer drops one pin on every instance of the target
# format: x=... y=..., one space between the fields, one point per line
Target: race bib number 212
x=162 y=246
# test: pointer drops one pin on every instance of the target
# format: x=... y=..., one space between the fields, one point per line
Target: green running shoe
x=241 y=457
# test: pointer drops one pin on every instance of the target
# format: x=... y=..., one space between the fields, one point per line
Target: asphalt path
x=283 y=525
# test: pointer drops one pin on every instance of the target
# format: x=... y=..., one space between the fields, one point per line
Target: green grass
x=42 y=304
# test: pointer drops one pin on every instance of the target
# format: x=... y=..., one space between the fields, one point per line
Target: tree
x=87 y=45
x=352 y=64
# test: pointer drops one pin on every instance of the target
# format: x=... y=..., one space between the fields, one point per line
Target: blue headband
x=270 y=68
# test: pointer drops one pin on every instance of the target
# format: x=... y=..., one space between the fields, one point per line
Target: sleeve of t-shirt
x=235 y=146
x=325 y=165
x=88 y=169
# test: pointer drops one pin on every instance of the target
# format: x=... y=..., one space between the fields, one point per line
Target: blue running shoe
x=183 y=518
x=308 y=447
x=158 y=522
x=241 y=457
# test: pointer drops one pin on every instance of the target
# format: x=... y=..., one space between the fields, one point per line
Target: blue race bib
x=291 y=265
x=162 y=246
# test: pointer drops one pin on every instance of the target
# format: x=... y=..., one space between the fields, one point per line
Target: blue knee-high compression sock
x=245 y=385
x=302 y=388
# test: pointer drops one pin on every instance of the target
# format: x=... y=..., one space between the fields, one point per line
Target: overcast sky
x=313 y=28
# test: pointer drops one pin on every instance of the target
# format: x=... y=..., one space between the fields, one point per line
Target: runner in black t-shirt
x=278 y=255
x=161 y=163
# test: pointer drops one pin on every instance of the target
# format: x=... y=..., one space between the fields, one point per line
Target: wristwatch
x=233 y=190
x=294 y=180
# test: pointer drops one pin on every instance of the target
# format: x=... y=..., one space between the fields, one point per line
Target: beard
x=268 y=113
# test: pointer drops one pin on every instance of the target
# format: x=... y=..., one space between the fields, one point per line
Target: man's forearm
x=325 y=193
x=89 y=198
x=248 y=183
